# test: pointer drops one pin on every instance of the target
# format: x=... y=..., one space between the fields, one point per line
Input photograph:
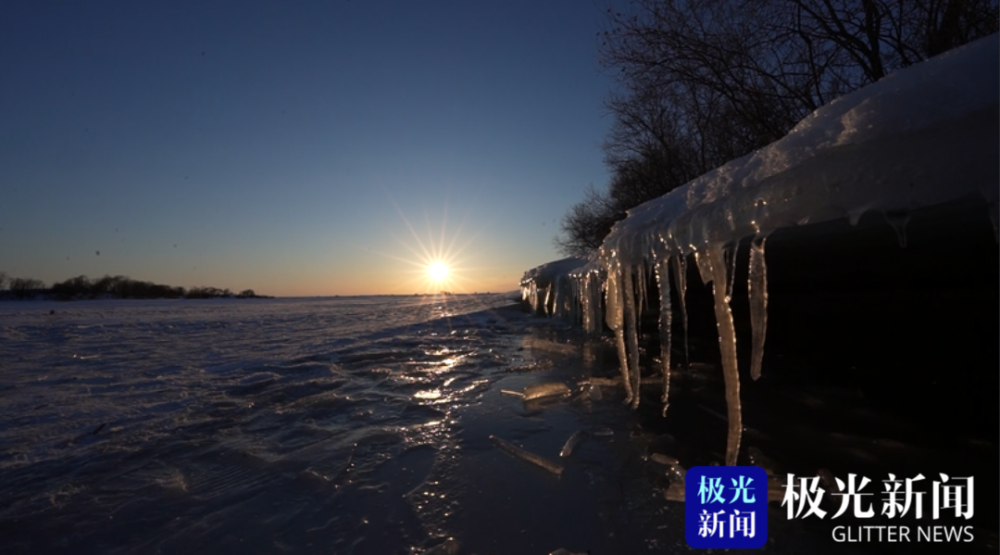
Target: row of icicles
x=624 y=290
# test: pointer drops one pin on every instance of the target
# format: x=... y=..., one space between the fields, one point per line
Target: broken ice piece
x=660 y=458
x=602 y=431
x=567 y=449
x=516 y=451
x=549 y=389
x=676 y=473
x=675 y=492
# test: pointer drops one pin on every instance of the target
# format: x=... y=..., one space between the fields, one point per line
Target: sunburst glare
x=435 y=256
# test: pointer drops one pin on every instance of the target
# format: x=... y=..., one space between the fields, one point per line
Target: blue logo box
x=725 y=507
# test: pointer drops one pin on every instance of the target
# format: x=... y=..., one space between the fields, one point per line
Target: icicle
x=663 y=278
x=571 y=298
x=631 y=331
x=556 y=297
x=704 y=267
x=680 y=267
x=731 y=269
x=898 y=219
x=563 y=297
x=581 y=302
x=623 y=364
x=641 y=286
x=590 y=318
x=648 y=275
x=576 y=301
x=757 y=291
x=727 y=344
x=615 y=320
x=614 y=314
x=597 y=286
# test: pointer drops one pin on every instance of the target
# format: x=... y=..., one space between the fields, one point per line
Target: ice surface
x=922 y=136
x=144 y=423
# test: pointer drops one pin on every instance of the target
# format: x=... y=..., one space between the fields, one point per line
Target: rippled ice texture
x=293 y=425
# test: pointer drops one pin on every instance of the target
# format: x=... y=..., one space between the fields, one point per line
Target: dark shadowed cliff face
x=905 y=324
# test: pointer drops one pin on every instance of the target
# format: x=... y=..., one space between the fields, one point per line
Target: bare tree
x=701 y=82
x=768 y=63
x=587 y=223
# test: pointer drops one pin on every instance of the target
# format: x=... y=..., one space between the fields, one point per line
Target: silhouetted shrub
x=204 y=293
x=78 y=287
x=23 y=288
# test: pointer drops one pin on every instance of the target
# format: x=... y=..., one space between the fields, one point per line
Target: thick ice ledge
x=923 y=136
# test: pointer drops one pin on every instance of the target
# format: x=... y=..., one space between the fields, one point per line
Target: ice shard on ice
x=922 y=136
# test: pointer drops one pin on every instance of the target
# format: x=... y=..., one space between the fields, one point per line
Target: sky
x=296 y=148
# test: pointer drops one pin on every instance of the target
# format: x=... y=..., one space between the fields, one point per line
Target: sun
x=438 y=271
x=436 y=255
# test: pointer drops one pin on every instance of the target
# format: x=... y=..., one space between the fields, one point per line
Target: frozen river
x=337 y=425
x=362 y=426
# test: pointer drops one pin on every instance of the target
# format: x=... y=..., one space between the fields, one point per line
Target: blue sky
x=296 y=148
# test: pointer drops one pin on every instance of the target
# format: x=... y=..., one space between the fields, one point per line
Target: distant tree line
x=21 y=287
x=701 y=82
x=109 y=287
